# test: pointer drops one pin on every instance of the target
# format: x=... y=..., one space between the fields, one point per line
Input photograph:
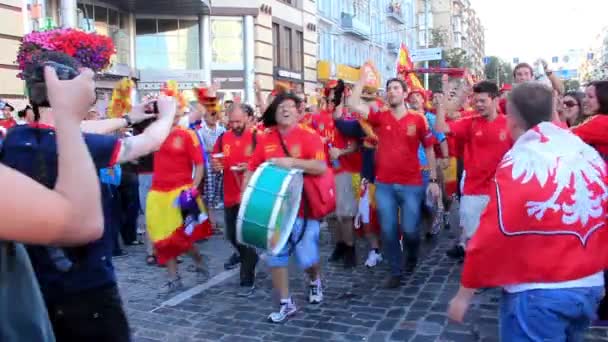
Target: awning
x=173 y=7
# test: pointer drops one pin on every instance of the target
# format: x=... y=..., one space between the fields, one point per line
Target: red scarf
x=546 y=220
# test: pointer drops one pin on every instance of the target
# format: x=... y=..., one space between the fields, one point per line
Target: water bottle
x=335 y=163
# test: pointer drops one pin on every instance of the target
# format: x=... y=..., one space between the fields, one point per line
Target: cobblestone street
x=355 y=308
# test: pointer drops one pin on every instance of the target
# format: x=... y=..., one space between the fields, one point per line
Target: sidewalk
x=355 y=308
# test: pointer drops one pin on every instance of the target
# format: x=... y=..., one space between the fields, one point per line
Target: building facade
x=457 y=26
x=351 y=32
x=12 y=28
x=196 y=41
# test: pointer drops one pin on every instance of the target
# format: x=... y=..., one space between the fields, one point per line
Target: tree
x=572 y=85
x=498 y=71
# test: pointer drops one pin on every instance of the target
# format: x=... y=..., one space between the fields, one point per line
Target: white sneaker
x=373 y=259
x=287 y=309
x=315 y=293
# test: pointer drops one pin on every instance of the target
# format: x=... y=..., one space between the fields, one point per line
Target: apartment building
x=352 y=32
x=458 y=24
x=194 y=41
x=12 y=28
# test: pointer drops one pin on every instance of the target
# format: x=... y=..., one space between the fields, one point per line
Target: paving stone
x=356 y=307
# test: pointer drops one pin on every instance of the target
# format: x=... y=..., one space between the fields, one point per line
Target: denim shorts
x=306 y=250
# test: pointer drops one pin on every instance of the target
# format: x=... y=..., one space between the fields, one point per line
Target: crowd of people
x=526 y=164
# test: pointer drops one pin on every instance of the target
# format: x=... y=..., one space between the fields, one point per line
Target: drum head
x=269 y=207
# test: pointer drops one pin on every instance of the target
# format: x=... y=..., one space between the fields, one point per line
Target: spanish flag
x=404 y=68
x=165 y=223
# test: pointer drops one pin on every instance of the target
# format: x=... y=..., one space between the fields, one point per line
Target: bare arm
x=71 y=213
x=430 y=156
x=105 y=126
x=441 y=125
x=199 y=171
x=556 y=83
x=153 y=136
x=443 y=146
x=355 y=103
x=311 y=167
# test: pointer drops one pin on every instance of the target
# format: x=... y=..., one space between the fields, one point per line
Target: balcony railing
x=393 y=11
x=355 y=27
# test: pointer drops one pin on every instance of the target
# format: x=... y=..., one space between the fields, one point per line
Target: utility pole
x=426 y=39
x=498 y=73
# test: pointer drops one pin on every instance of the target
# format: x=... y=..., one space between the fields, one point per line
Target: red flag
x=405 y=67
x=546 y=219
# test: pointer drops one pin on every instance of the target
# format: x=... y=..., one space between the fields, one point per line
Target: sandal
x=151 y=260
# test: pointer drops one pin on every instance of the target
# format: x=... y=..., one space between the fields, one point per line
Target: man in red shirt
x=399 y=186
x=340 y=150
x=306 y=153
x=237 y=146
x=486 y=139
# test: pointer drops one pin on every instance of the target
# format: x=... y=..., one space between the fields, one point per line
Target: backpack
x=21 y=303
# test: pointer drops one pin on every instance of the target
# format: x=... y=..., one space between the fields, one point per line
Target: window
x=286 y=44
x=276 y=41
x=298 y=48
x=107 y=22
x=167 y=43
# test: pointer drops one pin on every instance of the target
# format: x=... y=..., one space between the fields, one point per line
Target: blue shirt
x=430 y=118
x=26 y=149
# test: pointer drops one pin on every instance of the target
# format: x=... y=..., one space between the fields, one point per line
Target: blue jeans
x=403 y=201
x=548 y=315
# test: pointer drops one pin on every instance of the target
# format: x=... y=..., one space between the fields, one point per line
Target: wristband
x=128 y=120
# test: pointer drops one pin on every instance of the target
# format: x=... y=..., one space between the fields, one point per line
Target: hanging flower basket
x=92 y=50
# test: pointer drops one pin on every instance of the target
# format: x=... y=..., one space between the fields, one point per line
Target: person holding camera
x=78 y=284
x=68 y=214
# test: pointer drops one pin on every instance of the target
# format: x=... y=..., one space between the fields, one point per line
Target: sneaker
x=232 y=262
x=338 y=252
x=373 y=259
x=287 y=309
x=202 y=271
x=245 y=291
x=315 y=293
x=456 y=252
x=410 y=265
x=392 y=282
x=437 y=223
x=350 y=257
x=173 y=285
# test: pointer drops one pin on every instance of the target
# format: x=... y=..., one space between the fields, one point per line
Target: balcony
x=351 y=25
x=393 y=11
x=393 y=48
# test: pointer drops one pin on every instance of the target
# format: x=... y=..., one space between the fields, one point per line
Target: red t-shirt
x=351 y=162
x=174 y=161
x=485 y=144
x=7 y=123
x=302 y=142
x=593 y=132
x=236 y=150
x=398 y=142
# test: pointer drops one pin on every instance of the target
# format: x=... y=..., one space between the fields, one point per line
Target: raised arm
x=153 y=136
x=108 y=126
x=71 y=213
x=354 y=101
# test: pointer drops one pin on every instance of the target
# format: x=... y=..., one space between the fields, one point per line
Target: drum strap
x=304 y=203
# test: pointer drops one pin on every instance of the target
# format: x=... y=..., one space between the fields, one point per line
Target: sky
x=531 y=29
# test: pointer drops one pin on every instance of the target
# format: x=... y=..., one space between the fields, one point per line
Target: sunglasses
x=570 y=104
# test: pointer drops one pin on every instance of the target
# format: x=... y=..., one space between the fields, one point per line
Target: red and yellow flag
x=404 y=68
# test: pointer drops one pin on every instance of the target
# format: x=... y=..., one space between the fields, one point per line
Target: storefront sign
x=152 y=75
x=323 y=70
x=229 y=79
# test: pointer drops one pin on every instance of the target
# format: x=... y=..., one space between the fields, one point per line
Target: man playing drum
x=306 y=152
x=235 y=147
